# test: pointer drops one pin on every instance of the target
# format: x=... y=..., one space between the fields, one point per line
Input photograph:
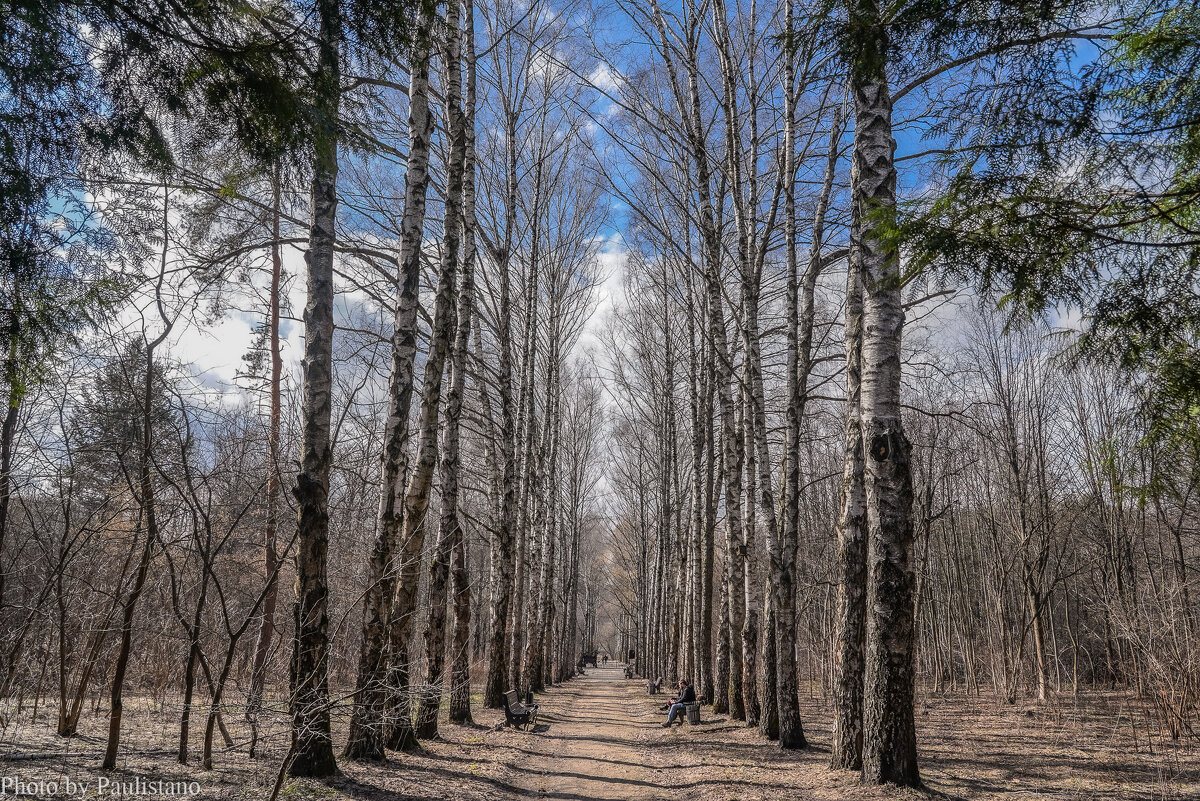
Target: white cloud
x=612 y=292
x=604 y=77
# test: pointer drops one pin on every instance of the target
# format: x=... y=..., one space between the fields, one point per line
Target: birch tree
x=889 y=731
x=366 y=738
x=449 y=530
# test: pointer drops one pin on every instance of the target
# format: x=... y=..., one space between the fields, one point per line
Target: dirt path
x=597 y=743
x=602 y=739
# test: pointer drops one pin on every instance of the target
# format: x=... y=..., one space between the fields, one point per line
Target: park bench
x=628 y=672
x=516 y=714
x=691 y=712
x=654 y=687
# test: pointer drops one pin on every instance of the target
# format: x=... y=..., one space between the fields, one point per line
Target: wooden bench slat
x=517 y=714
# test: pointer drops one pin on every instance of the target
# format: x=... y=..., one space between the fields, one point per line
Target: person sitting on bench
x=687 y=695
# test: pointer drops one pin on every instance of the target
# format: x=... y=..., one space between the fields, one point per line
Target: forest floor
x=600 y=738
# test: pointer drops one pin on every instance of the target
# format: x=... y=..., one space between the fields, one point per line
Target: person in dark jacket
x=687 y=695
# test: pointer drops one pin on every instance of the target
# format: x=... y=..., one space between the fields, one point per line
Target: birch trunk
x=851 y=610
x=722 y=693
x=572 y=633
x=448 y=525
x=401 y=735
x=698 y=640
x=312 y=747
x=722 y=378
x=768 y=722
x=889 y=736
x=366 y=736
x=527 y=495
x=791 y=732
x=712 y=683
x=502 y=557
x=546 y=615
x=460 y=587
x=531 y=665
x=744 y=608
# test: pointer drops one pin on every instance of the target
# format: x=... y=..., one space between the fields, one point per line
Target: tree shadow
x=354 y=787
x=471 y=725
